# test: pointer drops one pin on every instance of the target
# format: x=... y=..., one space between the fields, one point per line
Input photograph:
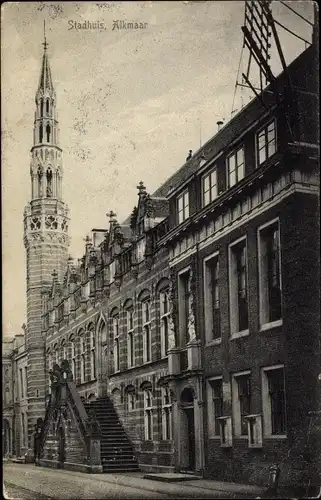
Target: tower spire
x=45 y=44
x=45 y=81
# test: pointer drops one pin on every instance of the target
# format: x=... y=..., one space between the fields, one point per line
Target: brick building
x=197 y=318
x=14 y=396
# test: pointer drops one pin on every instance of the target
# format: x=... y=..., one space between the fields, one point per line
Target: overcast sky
x=130 y=104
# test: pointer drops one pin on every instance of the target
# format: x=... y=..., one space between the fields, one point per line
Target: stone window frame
x=266 y=403
x=264 y=312
x=236 y=403
x=164 y=317
x=147 y=331
x=235 y=330
x=82 y=339
x=213 y=425
x=115 y=325
x=92 y=341
x=167 y=425
x=208 y=301
x=148 y=414
x=130 y=332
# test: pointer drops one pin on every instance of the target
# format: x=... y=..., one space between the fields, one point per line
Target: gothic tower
x=45 y=232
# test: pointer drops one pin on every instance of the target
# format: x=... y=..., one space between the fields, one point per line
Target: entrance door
x=189 y=412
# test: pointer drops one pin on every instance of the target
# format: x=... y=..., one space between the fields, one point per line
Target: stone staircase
x=117 y=454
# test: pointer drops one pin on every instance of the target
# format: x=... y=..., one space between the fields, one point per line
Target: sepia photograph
x=160 y=249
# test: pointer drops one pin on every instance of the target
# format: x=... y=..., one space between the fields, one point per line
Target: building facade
x=198 y=316
x=14 y=397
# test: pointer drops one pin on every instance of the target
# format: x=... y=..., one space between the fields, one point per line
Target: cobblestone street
x=25 y=482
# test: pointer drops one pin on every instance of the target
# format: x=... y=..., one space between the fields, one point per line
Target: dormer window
x=209 y=187
x=183 y=207
x=266 y=143
x=235 y=167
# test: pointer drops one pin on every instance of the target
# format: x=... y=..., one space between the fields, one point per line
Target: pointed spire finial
x=45 y=44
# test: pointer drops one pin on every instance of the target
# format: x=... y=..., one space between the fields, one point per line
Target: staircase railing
x=46 y=423
x=64 y=394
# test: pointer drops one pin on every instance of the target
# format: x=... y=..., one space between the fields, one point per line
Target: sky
x=130 y=104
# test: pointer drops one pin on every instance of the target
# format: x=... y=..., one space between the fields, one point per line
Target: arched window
x=73 y=359
x=164 y=311
x=92 y=335
x=48 y=131
x=148 y=415
x=129 y=311
x=41 y=108
x=82 y=357
x=130 y=398
x=115 y=330
x=147 y=334
x=166 y=414
x=40 y=133
x=47 y=106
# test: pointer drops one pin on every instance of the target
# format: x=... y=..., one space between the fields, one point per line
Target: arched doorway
x=6 y=448
x=187 y=430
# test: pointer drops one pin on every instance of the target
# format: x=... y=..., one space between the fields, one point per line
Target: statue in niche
x=49 y=183
x=40 y=174
x=191 y=307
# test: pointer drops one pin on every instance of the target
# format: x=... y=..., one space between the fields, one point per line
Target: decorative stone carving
x=173 y=310
x=148 y=205
x=192 y=303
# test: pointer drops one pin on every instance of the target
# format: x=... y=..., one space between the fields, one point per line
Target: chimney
x=219 y=125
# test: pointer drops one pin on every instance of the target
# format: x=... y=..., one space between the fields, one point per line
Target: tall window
x=183 y=207
x=266 y=143
x=164 y=321
x=83 y=359
x=130 y=400
x=130 y=337
x=148 y=415
x=238 y=287
x=217 y=403
x=115 y=325
x=209 y=187
x=212 y=298
x=273 y=392
x=147 y=334
x=166 y=415
x=93 y=353
x=21 y=383
x=235 y=167
x=73 y=358
x=183 y=306
x=269 y=273
x=241 y=401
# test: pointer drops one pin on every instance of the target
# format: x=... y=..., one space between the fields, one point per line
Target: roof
x=232 y=129
x=45 y=80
